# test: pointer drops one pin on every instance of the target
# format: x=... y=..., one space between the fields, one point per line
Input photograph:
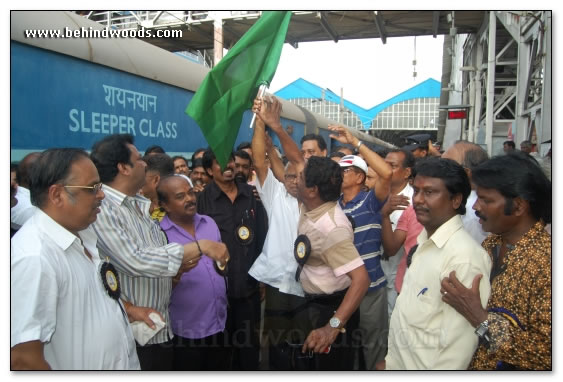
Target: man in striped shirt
x=137 y=246
x=364 y=207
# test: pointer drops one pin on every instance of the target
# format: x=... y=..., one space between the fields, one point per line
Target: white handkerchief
x=143 y=333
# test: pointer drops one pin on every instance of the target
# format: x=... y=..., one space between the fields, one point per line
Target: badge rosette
x=301 y=251
x=110 y=280
x=244 y=234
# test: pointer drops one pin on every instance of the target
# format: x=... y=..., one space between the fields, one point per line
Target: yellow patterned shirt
x=158 y=214
x=519 y=306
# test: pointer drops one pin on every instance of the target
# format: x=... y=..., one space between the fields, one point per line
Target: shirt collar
x=406 y=190
x=493 y=240
x=215 y=191
x=22 y=191
x=166 y=223
x=119 y=197
x=444 y=232
x=60 y=235
x=356 y=199
x=319 y=211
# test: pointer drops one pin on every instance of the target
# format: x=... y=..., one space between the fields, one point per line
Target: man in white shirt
x=23 y=209
x=64 y=312
x=426 y=333
x=276 y=265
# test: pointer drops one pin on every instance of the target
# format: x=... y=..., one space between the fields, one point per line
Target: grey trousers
x=374 y=327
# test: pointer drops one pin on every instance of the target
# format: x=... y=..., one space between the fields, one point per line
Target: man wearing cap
x=421 y=146
x=364 y=208
x=418 y=145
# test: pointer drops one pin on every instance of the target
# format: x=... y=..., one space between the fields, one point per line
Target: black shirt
x=213 y=202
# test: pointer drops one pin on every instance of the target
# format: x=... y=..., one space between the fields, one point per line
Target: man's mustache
x=241 y=176
x=481 y=216
x=421 y=209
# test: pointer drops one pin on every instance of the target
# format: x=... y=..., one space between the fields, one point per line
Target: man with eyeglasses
x=276 y=265
x=138 y=247
x=63 y=314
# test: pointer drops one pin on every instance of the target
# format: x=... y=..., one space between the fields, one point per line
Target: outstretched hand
x=342 y=135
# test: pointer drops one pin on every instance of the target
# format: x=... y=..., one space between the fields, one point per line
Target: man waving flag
x=231 y=86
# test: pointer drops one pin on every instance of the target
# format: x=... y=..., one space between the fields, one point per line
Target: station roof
x=301 y=88
x=305 y=26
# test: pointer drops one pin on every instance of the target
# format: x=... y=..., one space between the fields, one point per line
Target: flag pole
x=261 y=91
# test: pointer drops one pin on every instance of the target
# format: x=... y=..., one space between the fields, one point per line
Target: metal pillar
x=491 y=58
x=545 y=133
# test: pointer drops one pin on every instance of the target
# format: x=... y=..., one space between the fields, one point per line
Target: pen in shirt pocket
x=422 y=291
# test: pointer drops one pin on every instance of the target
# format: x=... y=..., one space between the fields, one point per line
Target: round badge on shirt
x=301 y=251
x=244 y=234
x=110 y=280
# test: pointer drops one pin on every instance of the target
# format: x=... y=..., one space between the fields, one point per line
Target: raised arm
x=276 y=164
x=259 y=150
x=377 y=163
x=269 y=111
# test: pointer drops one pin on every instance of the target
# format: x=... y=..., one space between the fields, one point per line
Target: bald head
x=24 y=168
x=467 y=154
x=168 y=184
x=177 y=197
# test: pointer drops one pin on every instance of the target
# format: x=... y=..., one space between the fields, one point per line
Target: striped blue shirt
x=138 y=249
x=365 y=210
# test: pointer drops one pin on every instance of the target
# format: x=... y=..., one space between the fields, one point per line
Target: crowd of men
x=410 y=259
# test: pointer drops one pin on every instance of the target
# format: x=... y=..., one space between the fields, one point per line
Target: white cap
x=354 y=160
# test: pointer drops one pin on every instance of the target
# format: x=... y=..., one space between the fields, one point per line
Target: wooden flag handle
x=261 y=91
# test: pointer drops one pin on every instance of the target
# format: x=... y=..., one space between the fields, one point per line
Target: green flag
x=230 y=87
